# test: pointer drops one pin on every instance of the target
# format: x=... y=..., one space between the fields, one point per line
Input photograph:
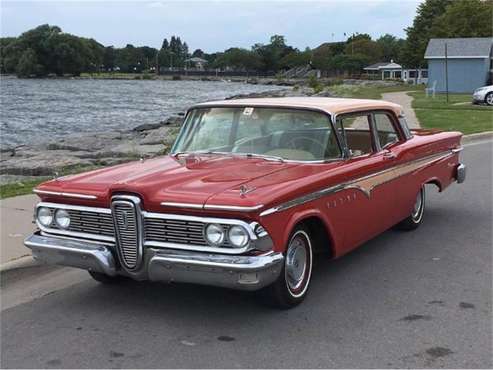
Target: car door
x=365 y=207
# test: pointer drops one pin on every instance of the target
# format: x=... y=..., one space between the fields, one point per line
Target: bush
x=315 y=84
x=146 y=76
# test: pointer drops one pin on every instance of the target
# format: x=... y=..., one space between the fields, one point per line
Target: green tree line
x=47 y=50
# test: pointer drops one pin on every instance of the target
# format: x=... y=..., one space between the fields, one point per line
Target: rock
x=148 y=126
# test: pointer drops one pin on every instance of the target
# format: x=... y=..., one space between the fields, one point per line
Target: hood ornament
x=244 y=190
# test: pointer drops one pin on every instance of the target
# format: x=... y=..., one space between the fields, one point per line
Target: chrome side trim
x=457 y=150
x=182 y=205
x=212 y=206
x=63 y=194
x=364 y=184
x=232 y=208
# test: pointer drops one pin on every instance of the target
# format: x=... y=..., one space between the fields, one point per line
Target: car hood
x=191 y=179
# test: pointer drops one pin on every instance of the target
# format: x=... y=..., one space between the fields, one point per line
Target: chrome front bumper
x=229 y=271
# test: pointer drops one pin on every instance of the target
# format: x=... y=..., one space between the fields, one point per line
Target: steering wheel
x=297 y=143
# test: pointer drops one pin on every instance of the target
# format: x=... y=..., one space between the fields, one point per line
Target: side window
x=355 y=131
x=385 y=129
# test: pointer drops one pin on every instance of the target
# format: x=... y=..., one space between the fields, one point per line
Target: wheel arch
x=320 y=230
x=434 y=181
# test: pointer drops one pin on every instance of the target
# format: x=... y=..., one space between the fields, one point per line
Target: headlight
x=62 y=218
x=214 y=234
x=238 y=236
x=45 y=216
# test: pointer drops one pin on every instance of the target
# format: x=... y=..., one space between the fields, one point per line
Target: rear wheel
x=105 y=279
x=416 y=217
x=489 y=98
x=291 y=286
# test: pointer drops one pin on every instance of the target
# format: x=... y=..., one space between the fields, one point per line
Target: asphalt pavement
x=405 y=299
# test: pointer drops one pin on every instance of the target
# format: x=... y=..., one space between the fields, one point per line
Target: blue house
x=468 y=63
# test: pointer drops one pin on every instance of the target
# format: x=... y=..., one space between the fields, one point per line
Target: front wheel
x=291 y=287
x=489 y=98
x=416 y=217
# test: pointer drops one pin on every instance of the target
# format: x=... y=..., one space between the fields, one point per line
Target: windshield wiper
x=266 y=157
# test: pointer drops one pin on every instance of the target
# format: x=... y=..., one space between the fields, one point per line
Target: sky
x=211 y=25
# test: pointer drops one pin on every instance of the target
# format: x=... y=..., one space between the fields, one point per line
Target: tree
x=28 y=64
x=296 y=59
x=465 y=18
x=362 y=46
x=198 y=53
x=272 y=53
x=391 y=47
x=419 y=33
x=238 y=58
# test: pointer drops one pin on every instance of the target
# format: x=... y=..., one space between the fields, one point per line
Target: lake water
x=40 y=110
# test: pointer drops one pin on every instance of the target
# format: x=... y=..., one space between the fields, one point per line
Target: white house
x=394 y=71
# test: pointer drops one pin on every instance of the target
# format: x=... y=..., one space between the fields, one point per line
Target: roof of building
x=383 y=65
x=471 y=47
x=196 y=60
x=328 y=105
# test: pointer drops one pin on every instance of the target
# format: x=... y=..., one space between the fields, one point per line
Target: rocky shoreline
x=82 y=151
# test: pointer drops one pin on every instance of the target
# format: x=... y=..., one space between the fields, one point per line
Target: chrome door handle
x=388 y=155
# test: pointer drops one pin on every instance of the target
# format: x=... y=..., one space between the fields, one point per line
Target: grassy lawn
x=456 y=115
x=24 y=187
x=370 y=92
x=19 y=188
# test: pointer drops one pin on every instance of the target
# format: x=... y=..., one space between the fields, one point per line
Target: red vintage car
x=251 y=190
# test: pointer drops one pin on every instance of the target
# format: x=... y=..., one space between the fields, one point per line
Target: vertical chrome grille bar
x=127 y=220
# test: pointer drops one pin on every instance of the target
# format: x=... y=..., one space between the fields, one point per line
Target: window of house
x=356 y=134
x=385 y=129
x=424 y=74
x=412 y=74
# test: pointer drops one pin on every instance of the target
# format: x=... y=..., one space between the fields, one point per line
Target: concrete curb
x=488 y=135
x=19 y=263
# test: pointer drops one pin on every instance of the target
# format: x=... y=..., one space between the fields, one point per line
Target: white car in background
x=483 y=95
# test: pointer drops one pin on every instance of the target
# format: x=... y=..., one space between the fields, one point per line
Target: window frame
x=395 y=124
x=371 y=122
x=378 y=149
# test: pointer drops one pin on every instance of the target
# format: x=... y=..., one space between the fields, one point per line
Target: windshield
x=289 y=134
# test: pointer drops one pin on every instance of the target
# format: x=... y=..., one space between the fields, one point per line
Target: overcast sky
x=211 y=25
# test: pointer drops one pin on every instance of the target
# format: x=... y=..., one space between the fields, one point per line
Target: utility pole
x=446 y=71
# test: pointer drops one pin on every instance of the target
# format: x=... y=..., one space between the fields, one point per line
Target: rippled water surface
x=40 y=110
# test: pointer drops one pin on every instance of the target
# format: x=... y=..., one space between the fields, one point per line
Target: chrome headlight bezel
x=209 y=229
x=245 y=238
x=60 y=216
x=44 y=216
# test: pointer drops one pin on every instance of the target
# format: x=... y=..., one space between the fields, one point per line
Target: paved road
x=404 y=100
x=417 y=299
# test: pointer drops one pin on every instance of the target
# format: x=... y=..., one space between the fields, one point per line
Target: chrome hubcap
x=296 y=262
x=489 y=99
x=417 y=206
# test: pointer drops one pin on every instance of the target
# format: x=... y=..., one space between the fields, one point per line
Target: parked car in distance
x=483 y=95
x=253 y=191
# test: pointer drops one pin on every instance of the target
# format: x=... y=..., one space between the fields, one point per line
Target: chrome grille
x=127 y=227
x=177 y=231
x=91 y=222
